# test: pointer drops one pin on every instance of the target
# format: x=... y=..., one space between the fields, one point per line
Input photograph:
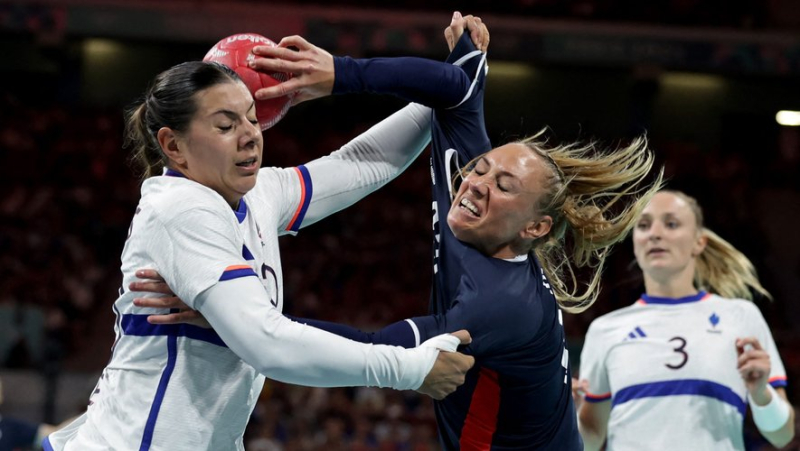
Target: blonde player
x=499 y=245
x=677 y=369
x=210 y=224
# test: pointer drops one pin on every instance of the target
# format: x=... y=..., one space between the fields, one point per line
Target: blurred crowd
x=292 y=418
x=67 y=196
x=66 y=203
x=741 y=14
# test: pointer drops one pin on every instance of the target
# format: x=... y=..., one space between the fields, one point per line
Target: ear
x=168 y=140
x=699 y=244
x=537 y=228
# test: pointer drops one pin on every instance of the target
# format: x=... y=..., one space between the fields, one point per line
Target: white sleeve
x=295 y=353
x=367 y=162
x=777 y=374
x=592 y=365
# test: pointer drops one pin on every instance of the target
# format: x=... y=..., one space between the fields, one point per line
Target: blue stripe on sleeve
x=309 y=193
x=597 y=398
x=778 y=383
x=237 y=273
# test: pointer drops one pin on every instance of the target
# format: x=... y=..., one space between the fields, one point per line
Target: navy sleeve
x=397 y=334
x=16 y=434
x=496 y=322
x=456 y=318
x=431 y=83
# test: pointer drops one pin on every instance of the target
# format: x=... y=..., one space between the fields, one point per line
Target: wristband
x=443 y=342
x=774 y=415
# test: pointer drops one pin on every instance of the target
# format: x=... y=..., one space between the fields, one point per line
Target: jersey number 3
x=680 y=350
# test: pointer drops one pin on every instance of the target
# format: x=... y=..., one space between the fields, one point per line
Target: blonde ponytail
x=721 y=268
x=594 y=197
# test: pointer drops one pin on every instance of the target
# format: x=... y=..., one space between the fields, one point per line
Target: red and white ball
x=235 y=52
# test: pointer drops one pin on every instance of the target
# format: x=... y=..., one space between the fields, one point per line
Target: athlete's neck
x=672 y=282
x=668 y=288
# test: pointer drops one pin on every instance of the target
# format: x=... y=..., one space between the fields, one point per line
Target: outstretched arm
x=296 y=353
x=366 y=163
x=379 y=155
x=402 y=333
x=431 y=83
x=317 y=74
x=408 y=333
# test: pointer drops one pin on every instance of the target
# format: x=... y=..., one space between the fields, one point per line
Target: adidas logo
x=637 y=332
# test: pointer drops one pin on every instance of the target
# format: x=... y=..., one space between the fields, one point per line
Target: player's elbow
x=592 y=426
x=785 y=436
x=780 y=442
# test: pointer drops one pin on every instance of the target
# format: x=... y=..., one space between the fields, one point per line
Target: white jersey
x=198 y=378
x=179 y=387
x=669 y=369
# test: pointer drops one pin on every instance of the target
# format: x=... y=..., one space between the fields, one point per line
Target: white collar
x=518 y=258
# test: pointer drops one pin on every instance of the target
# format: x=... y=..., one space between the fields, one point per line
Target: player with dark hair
x=209 y=218
x=499 y=254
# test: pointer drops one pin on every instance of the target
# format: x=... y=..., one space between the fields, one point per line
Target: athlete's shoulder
x=273 y=183
x=610 y=321
x=732 y=305
x=734 y=302
x=171 y=198
x=741 y=311
x=270 y=175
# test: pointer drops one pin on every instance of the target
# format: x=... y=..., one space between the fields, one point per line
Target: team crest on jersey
x=714 y=320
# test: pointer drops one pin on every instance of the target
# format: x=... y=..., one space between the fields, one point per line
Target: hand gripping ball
x=235 y=52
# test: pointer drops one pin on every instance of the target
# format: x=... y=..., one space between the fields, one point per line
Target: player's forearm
x=400 y=333
x=593 y=424
x=287 y=351
x=784 y=434
x=367 y=162
x=592 y=440
x=432 y=83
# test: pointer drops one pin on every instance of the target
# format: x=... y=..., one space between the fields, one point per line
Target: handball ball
x=235 y=52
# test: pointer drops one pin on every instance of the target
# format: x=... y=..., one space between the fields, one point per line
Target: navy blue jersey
x=16 y=434
x=518 y=395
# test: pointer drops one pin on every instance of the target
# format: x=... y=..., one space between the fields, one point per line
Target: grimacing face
x=222 y=148
x=494 y=208
x=666 y=239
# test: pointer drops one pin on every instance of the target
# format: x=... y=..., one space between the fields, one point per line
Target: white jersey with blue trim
x=669 y=369
x=146 y=394
x=178 y=387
